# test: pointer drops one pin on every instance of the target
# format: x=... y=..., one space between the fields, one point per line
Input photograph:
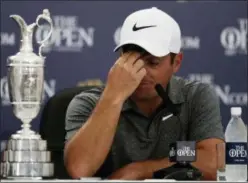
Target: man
x=117 y=131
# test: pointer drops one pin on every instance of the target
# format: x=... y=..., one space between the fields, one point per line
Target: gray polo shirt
x=141 y=138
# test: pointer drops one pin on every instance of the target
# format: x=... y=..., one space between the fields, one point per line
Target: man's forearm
x=88 y=149
x=151 y=166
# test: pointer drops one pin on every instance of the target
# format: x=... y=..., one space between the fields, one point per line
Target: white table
x=95 y=180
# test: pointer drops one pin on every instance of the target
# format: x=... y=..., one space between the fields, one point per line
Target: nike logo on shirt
x=167 y=117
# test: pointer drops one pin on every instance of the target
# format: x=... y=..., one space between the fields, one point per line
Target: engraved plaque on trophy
x=26 y=155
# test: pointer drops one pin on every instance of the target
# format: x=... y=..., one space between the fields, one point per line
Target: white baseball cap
x=153 y=30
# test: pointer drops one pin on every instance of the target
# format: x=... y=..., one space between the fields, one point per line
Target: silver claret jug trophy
x=26 y=155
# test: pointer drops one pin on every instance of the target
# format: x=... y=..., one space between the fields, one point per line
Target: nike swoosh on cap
x=135 y=28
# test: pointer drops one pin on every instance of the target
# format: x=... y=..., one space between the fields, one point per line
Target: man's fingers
x=123 y=58
x=138 y=65
x=132 y=58
x=141 y=73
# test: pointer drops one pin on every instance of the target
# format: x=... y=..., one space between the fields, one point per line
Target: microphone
x=182 y=152
x=166 y=100
x=170 y=106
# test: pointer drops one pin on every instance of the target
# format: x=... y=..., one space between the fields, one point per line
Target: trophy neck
x=27 y=41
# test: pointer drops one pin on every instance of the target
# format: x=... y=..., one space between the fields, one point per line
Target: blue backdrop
x=214 y=44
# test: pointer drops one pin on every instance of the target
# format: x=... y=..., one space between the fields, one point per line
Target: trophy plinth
x=26 y=155
x=26 y=159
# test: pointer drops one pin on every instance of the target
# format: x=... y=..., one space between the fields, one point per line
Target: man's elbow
x=77 y=169
x=77 y=172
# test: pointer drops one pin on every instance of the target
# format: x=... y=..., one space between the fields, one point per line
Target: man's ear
x=177 y=62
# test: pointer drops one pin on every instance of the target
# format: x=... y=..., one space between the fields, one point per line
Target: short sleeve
x=205 y=120
x=78 y=112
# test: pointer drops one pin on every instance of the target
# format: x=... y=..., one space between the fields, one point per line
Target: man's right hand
x=125 y=76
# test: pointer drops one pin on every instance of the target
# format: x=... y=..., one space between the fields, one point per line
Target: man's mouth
x=145 y=84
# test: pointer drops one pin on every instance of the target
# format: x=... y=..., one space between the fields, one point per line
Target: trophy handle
x=45 y=16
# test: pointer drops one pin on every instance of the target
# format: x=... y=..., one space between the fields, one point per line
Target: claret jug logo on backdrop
x=188 y=42
x=67 y=35
x=234 y=38
x=49 y=90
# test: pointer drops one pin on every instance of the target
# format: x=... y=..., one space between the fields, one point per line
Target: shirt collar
x=176 y=90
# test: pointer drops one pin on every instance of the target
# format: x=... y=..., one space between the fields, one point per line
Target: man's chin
x=144 y=93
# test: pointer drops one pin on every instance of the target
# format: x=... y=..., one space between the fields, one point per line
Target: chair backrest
x=52 y=126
